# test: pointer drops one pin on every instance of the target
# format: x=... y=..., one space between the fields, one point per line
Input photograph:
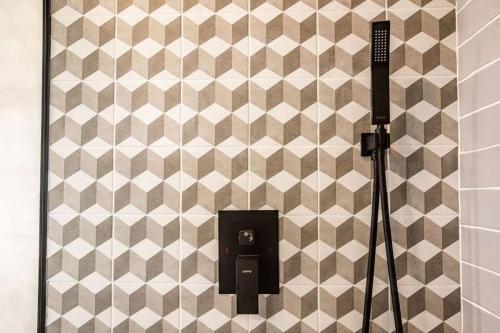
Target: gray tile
x=474 y=92
x=475 y=15
x=480 y=208
x=478 y=285
x=477 y=320
x=481 y=248
x=480 y=50
x=479 y=168
x=461 y=3
x=480 y=130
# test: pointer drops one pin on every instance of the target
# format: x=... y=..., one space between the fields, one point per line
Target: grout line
x=473 y=227
x=481 y=268
x=459 y=180
x=477 y=110
x=248 y=107
x=181 y=174
x=464 y=5
x=493 y=188
x=248 y=122
x=113 y=222
x=477 y=71
x=318 y=173
x=480 y=308
x=389 y=307
x=480 y=149
x=465 y=189
x=486 y=25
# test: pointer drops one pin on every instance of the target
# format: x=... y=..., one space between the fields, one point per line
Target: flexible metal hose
x=388 y=242
x=372 y=247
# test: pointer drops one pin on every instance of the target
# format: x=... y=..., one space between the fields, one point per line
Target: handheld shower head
x=380 y=72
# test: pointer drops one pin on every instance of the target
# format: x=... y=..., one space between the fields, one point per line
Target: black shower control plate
x=264 y=224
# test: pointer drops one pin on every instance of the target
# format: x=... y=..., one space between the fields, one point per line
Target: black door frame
x=44 y=169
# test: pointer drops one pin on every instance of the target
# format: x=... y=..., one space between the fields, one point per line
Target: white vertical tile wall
x=478 y=24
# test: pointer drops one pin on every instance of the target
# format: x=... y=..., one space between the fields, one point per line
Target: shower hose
x=379 y=196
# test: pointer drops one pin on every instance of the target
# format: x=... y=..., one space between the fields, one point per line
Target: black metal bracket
x=372 y=141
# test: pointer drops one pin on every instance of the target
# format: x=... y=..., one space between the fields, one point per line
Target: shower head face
x=380 y=43
x=380 y=54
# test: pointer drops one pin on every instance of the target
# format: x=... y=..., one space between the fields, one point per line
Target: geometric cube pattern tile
x=284 y=178
x=343 y=110
x=283 y=41
x=150 y=307
x=214 y=113
x=79 y=247
x=344 y=37
x=147 y=46
x=81 y=113
x=203 y=309
x=214 y=179
x=295 y=309
x=164 y=112
x=146 y=248
x=81 y=179
x=198 y=250
x=147 y=113
x=83 y=38
x=428 y=47
x=79 y=307
x=146 y=180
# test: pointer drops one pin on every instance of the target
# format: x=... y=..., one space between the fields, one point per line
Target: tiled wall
x=478 y=77
x=164 y=112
